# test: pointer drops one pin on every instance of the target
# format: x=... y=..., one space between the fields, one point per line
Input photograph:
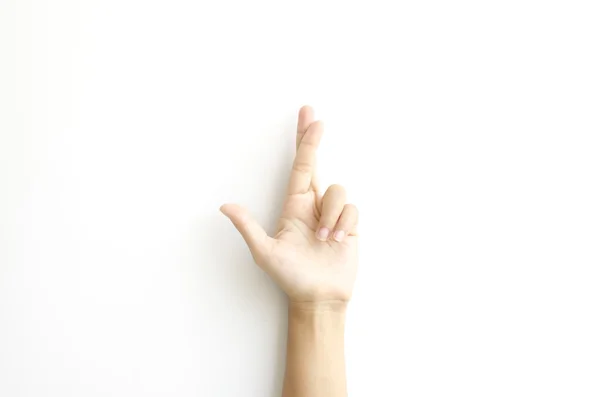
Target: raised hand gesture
x=313 y=255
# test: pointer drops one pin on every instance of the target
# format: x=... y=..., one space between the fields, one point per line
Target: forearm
x=315 y=351
x=312 y=257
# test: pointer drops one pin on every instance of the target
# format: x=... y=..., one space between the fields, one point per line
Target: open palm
x=313 y=255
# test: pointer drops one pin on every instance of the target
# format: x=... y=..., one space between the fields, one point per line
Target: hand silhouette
x=313 y=255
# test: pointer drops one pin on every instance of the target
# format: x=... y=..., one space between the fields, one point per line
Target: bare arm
x=315 y=352
x=313 y=258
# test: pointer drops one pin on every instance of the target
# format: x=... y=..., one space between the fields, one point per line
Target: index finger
x=306 y=116
x=304 y=163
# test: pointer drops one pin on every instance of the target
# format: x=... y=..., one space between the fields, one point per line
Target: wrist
x=317 y=320
x=318 y=307
x=315 y=349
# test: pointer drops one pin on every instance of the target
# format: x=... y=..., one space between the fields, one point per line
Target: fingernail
x=339 y=235
x=323 y=234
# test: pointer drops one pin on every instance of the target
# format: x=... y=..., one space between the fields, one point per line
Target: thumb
x=255 y=236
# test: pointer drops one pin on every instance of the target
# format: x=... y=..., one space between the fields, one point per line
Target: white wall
x=467 y=133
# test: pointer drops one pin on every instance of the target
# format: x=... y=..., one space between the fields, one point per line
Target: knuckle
x=302 y=166
x=336 y=190
x=328 y=220
x=308 y=143
x=352 y=209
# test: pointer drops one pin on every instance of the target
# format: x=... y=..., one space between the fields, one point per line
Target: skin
x=313 y=258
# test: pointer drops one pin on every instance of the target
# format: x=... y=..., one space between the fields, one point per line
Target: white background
x=467 y=132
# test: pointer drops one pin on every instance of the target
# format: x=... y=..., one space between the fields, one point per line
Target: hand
x=313 y=255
